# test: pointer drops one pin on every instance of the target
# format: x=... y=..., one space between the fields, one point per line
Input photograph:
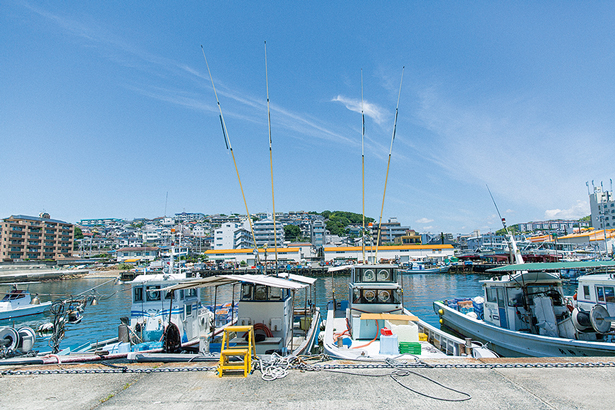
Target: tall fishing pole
x=227 y=141
x=513 y=245
x=363 y=166
x=389 y=163
x=275 y=232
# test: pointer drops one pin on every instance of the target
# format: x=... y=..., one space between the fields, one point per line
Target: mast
x=389 y=162
x=363 y=167
x=227 y=141
x=275 y=232
x=511 y=238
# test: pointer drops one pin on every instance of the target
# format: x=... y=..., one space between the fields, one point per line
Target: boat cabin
x=530 y=302
x=372 y=289
x=597 y=289
x=151 y=304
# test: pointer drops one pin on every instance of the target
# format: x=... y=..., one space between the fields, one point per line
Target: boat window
x=260 y=292
x=501 y=297
x=181 y=294
x=369 y=276
x=246 y=291
x=188 y=308
x=492 y=295
x=384 y=275
x=151 y=294
x=609 y=294
x=586 y=294
x=275 y=293
x=515 y=297
x=138 y=294
x=190 y=293
x=375 y=296
x=600 y=292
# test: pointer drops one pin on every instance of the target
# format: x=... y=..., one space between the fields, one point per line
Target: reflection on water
x=100 y=322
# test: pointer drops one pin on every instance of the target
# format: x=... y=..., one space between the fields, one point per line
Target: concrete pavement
x=496 y=388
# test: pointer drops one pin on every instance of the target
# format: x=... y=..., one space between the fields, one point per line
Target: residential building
x=101 y=221
x=389 y=231
x=265 y=234
x=137 y=254
x=317 y=233
x=602 y=206
x=28 y=237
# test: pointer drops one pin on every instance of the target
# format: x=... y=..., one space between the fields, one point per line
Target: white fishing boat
x=422 y=268
x=164 y=320
x=525 y=313
x=19 y=302
x=269 y=304
x=354 y=327
x=596 y=289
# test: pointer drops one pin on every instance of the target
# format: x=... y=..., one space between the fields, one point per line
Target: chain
x=303 y=366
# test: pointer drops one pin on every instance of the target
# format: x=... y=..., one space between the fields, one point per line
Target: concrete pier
x=489 y=388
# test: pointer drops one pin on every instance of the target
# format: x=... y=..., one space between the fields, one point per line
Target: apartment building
x=28 y=237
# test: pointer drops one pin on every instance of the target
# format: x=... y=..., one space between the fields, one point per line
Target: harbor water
x=100 y=322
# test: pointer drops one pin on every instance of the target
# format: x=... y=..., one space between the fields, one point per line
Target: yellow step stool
x=227 y=351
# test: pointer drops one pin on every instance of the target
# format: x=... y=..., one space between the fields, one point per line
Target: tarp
x=551 y=266
x=228 y=279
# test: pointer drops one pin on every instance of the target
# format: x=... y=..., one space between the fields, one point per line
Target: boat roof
x=527 y=278
x=159 y=277
x=543 y=266
x=298 y=278
x=249 y=278
x=595 y=277
x=360 y=265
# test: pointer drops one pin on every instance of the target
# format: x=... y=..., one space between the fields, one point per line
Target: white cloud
x=423 y=221
x=427 y=228
x=371 y=110
x=577 y=211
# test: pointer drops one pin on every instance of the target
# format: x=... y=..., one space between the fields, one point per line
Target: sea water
x=101 y=322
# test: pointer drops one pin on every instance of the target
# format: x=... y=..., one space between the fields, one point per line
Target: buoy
x=441 y=312
x=441 y=321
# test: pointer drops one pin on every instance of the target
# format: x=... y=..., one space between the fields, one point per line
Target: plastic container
x=385 y=332
x=410 y=348
x=405 y=331
x=389 y=345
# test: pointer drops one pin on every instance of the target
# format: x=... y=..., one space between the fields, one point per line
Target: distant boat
x=420 y=268
x=19 y=302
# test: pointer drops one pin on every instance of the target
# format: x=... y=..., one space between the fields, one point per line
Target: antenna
x=389 y=163
x=227 y=140
x=363 y=166
x=587 y=185
x=166 y=201
x=511 y=238
x=275 y=232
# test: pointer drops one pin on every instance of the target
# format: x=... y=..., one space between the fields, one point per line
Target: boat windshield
x=375 y=296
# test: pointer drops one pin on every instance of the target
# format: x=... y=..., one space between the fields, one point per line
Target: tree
x=292 y=232
x=78 y=233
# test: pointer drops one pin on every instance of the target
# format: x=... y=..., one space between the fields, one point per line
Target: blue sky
x=107 y=106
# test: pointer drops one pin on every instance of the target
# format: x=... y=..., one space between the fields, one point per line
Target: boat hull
x=511 y=343
x=27 y=310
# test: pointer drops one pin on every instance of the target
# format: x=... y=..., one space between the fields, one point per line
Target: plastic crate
x=410 y=348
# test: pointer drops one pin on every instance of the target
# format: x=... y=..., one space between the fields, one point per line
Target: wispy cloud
x=424 y=221
x=579 y=210
x=371 y=110
x=512 y=145
x=123 y=52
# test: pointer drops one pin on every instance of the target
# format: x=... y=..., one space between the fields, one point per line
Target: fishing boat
x=373 y=324
x=422 y=268
x=19 y=302
x=525 y=313
x=596 y=289
x=164 y=320
x=270 y=304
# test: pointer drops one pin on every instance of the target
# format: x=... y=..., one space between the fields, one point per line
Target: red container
x=386 y=332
